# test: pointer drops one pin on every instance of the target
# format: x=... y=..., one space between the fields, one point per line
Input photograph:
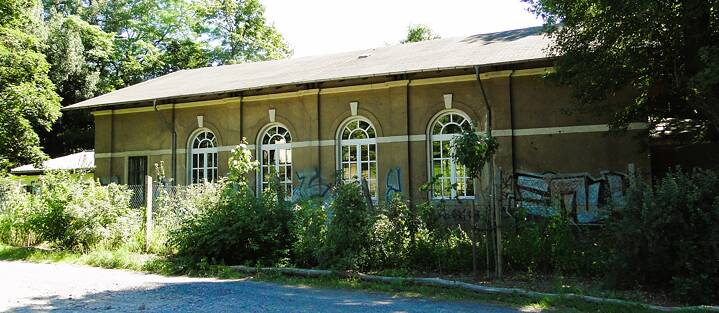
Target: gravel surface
x=29 y=287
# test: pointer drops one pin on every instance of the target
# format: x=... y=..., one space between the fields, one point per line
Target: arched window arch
x=450 y=178
x=203 y=157
x=275 y=146
x=358 y=153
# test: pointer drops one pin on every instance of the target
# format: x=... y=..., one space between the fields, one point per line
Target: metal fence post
x=148 y=212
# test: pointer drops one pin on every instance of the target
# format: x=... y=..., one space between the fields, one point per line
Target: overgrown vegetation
x=662 y=237
x=668 y=236
x=70 y=213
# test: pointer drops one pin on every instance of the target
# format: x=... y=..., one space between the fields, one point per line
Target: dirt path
x=29 y=287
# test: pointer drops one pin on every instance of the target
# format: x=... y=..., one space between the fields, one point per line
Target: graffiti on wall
x=394 y=183
x=310 y=185
x=575 y=195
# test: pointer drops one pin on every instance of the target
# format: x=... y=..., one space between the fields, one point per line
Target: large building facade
x=393 y=129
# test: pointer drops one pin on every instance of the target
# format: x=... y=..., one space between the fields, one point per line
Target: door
x=136 y=172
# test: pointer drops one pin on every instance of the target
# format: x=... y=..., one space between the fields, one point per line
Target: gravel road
x=29 y=287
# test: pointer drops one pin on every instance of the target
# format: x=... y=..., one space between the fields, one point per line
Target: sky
x=313 y=27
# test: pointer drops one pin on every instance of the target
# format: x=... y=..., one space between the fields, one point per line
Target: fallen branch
x=439 y=282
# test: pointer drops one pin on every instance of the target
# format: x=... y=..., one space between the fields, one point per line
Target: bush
x=73 y=213
x=667 y=236
x=347 y=241
x=177 y=203
x=240 y=228
x=553 y=245
x=436 y=245
x=309 y=228
x=390 y=235
x=15 y=206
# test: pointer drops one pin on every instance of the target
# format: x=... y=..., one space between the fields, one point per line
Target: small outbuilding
x=81 y=163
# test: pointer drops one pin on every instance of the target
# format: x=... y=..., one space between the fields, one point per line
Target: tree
x=474 y=151
x=419 y=32
x=98 y=46
x=242 y=31
x=77 y=53
x=27 y=95
x=664 y=51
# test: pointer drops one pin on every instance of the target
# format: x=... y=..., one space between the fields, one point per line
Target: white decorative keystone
x=272 y=115
x=448 y=101
x=353 y=107
x=200 y=120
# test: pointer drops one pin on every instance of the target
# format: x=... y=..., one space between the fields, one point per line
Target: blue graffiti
x=310 y=185
x=577 y=195
x=394 y=183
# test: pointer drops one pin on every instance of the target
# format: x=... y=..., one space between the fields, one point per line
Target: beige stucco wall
x=399 y=110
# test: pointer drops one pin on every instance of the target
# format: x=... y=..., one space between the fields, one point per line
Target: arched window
x=276 y=151
x=203 y=157
x=358 y=153
x=451 y=178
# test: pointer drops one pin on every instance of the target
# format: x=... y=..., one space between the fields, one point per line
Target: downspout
x=492 y=191
x=242 y=105
x=174 y=147
x=112 y=141
x=511 y=120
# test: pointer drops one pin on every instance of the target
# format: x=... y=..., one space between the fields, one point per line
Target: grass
x=123 y=259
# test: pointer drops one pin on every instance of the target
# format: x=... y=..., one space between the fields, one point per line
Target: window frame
x=357 y=144
x=192 y=151
x=431 y=160
x=289 y=168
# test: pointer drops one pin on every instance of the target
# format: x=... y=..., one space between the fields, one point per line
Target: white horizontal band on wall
x=391 y=139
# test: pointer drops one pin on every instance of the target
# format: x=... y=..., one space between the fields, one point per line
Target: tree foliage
x=419 y=32
x=242 y=31
x=665 y=51
x=27 y=95
x=93 y=47
x=473 y=150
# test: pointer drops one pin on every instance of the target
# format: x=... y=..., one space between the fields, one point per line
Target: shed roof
x=440 y=54
x=78 y=161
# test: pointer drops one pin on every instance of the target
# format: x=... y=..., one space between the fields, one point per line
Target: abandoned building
x=385 y=114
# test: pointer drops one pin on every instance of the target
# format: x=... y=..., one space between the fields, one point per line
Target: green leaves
x=419 y=32
x=28 y=100
x=666 y=235
x=656 y=49
x=473 y=150
x=242 y=31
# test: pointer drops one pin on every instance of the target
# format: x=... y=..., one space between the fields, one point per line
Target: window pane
x=353 y=153
x=436 y=149
x=370 y=132
x=345 y=153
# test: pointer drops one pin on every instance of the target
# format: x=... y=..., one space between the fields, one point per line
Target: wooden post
x=148 y=212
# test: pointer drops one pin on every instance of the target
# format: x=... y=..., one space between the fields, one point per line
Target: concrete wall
x=530 y=119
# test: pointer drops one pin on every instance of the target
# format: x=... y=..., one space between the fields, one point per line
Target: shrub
x=553 y=245
x=438 y=246
x=73 y=213
x=667 y=236
x=309 y=228
x=177 y=203
x=390 y=235
x=15 y=206
x=240 y=228
x=347 y=240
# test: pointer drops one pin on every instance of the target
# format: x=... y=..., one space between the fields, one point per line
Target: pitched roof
x=78 y=161
x=450 y=53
